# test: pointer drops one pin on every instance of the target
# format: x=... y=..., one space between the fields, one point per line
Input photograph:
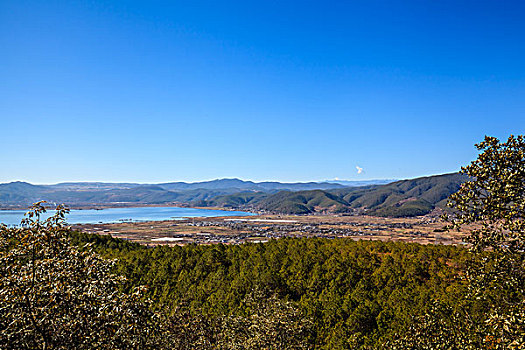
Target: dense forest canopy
x=61 y=289
x=355 y=293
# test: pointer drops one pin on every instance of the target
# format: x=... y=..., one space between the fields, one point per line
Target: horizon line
x=216 y=179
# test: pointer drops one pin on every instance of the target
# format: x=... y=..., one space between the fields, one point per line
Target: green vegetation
x=57 y=292
x=86 y=193
x=399 y=199
x=302 y=202
x=407 y=208
x=404 y=198
x=232 y=200
x=356 y=294
x=494 y=200
x=53 y=296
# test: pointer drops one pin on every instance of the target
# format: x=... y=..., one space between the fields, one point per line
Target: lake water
x=92 y=216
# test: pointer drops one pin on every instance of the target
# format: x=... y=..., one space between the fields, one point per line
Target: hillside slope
x=23 y=194
x=402 y=198
x=240 y=185
x=407 y=197
x=301 y=202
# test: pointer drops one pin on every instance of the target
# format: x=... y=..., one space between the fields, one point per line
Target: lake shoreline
x=92 y=215
x=122 y=205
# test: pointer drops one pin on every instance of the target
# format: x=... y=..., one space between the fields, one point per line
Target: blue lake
x=92 y=216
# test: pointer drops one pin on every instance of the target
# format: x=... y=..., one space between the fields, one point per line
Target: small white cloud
x=336 y=179
x=359 y=169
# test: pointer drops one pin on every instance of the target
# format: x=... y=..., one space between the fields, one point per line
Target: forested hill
x=91 y=193
x=267 y=186
x=402 y=198
x=355 y=295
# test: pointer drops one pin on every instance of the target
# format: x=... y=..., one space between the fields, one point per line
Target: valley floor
x=236 y=230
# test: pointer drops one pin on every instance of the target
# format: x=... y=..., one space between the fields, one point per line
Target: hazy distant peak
x=358 y=183
x=18 y=184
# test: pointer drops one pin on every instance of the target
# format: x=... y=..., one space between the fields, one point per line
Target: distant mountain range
x=359 y=183
x=400 y=198
x=249 y=185
x=89 y=193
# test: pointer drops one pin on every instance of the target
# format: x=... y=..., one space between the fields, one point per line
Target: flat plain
x=244 y=229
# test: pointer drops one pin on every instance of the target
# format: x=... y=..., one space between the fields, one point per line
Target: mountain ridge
x=410 y=197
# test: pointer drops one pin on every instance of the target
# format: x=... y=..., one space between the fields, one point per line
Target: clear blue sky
x=150 y=91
